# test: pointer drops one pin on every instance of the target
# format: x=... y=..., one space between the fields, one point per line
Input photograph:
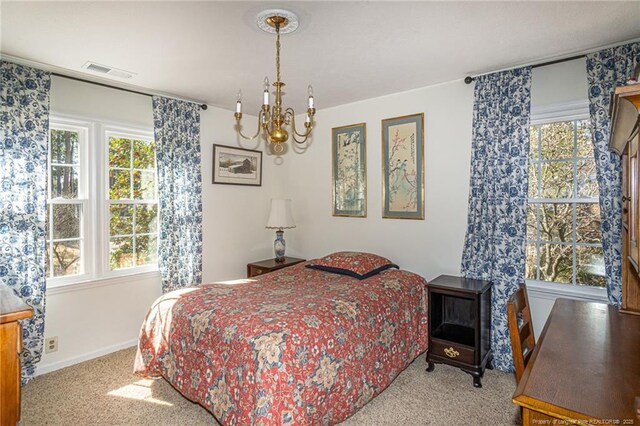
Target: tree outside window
x=133 y=202
x=65 y=208
x=564 y=241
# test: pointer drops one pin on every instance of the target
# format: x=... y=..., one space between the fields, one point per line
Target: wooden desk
x=585 y=368
x=12 y=309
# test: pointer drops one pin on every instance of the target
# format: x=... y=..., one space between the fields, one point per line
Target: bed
x=296 y=346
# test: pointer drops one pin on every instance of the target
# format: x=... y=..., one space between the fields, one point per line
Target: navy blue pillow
x=353 y=274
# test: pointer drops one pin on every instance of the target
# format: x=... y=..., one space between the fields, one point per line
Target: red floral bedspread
x=297 y=346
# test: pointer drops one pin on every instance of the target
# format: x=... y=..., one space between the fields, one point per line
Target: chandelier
x=272 y=120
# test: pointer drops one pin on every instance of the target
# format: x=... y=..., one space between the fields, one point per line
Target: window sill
x=551 y=291
x=102 y=282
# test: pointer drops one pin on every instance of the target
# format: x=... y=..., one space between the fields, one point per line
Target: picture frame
x=403 y=167
x=349 y=170
x=236 y=166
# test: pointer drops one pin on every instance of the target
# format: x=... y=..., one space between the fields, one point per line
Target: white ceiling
x=349 y=51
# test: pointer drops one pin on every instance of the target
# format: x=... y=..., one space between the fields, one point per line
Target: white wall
x=233 y=217
x=428 y=247
x=93 y=320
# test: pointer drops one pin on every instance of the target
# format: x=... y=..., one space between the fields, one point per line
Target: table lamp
x=280 y=218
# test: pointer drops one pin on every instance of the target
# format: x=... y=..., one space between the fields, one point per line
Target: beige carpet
x=104 y=391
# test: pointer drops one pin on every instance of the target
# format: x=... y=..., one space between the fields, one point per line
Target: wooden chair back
x=521 y=329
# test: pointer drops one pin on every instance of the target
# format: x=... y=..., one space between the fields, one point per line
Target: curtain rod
x=202 y=106
x=469 y=79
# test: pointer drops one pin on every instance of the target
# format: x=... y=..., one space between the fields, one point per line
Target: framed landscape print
x=403 y=167
x=236 y=166
x=349 y=170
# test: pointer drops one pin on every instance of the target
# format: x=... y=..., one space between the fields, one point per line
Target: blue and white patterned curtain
x=494 y=247
x=24 y=141
x=177 y=134
x=607 y=69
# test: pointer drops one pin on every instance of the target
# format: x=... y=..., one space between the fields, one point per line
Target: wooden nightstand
x=265 y=266
x=460 y=324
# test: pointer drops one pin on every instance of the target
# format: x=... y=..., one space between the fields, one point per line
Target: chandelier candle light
x=280 y=217
x=272 y=120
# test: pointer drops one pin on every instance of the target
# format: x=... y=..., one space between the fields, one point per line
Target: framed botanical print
x=349 y=170
x=237 y=166
x=403 y=167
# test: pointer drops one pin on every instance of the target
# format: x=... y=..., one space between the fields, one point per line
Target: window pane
x=590 y=267
x=64 y=182
x=119 y=184
x=533 y=180
x=585 y=144
x=64 y=146
x=534 y=145
x=121 y=252
x=556 y=263
x=47 y=222
x=66 y=258
x=531 y=262
x=121 y=219
x=556 y=222
x=588 y=223
x=138 y=182
x=146 y=250
x=66 y=221
x=557 y=180
x=557 y=140
x=587 y=179
x=47 y=262
x=144 y=185
x=567 y=171
x=146 y=218
x=531 y=222
x=144 y=154
x=120 y=152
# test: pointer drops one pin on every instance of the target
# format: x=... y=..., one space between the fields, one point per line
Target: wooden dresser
x=625 y=140
x=12 y=309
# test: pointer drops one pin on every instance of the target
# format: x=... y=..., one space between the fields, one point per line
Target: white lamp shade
x=280 y=216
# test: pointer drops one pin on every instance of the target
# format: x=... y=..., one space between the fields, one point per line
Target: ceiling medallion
x=265 y=22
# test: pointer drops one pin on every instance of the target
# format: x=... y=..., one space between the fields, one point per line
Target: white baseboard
x=48 y=368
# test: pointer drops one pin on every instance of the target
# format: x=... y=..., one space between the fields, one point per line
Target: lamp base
x=279 y=246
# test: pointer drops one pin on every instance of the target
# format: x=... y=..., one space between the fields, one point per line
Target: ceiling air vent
x=107 y=70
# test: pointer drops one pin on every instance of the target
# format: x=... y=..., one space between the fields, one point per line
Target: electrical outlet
x=51 y=344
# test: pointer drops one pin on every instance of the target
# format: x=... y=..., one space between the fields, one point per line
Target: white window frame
x=84 y=130
x=570 y=111
x=93 y=194
x=129 y=133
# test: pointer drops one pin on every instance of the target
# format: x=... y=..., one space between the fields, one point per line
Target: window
x=102 y=207
x=133 y=201
x=67 y=201
x=564 y=241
